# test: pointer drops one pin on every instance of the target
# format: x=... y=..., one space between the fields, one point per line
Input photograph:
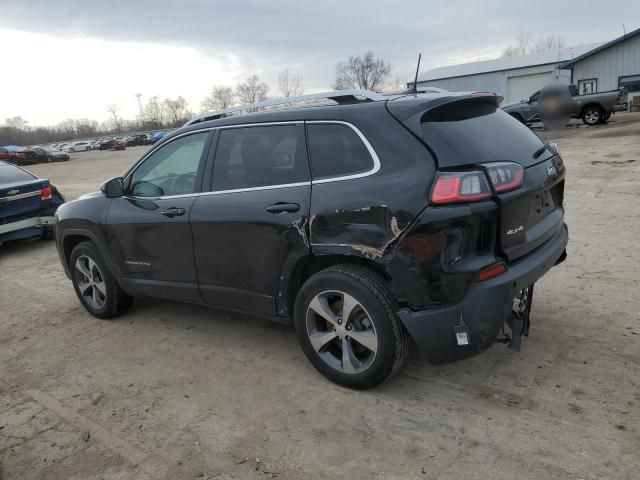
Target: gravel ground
x=173 y=391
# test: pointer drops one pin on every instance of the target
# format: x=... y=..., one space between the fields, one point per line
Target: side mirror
x=113 y=188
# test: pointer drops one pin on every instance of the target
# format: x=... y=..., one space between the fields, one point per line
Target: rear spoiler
x=409 y=110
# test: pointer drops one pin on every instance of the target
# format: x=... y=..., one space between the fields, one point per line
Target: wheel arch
x=591 y=105
x=308 y=265
x=71 y=238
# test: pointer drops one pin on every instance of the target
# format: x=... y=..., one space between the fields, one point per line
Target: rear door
x=148 y=229
x=251 y=225
x=470 y=133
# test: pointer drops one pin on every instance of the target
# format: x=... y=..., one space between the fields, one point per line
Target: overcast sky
x=71 y=58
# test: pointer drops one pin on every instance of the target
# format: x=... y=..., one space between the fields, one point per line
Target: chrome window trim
x=141 y=160
x=369 y=147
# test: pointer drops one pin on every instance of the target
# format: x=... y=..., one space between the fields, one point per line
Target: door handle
x=173 y=212
x=282 y=207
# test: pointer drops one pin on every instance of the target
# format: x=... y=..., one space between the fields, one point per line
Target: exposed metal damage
x=365 y=231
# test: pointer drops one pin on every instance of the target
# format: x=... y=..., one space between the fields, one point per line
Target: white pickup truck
x=593 y=108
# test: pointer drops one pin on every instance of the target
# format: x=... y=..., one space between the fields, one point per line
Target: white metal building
x=513 y=77
x=610 y=66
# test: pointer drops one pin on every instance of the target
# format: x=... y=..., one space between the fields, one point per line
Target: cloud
x=308 y=37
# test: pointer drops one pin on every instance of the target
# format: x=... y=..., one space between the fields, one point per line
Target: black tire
x=370 y=291
x=116 y=301
x=593 y=115
x=87 y=149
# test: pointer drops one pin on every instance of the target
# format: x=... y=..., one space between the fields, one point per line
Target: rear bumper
x=27 y=223
x=484 y=309
x=621 y=107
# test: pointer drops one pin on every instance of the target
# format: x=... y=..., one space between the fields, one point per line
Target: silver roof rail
x=341 y=97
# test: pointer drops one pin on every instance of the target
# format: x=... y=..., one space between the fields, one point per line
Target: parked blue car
x=27 y=204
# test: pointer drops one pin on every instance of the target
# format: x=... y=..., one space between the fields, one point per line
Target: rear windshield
x=464 y=133
x=12 y=174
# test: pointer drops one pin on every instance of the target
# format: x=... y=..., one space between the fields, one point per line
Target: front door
x=252 y=224
x=148 y=229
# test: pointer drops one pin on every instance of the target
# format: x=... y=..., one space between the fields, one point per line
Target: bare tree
x=221 y=97
x=548 y=42
x=527 y=43
x=252 y=90
x=523 y=41
x=85 y=127
x=511 y=51
x=116 y=119
x=17 y=123
x=154 y=112
x=396 y=85
x=366 y=72
x=177 y=110
x=290 y=84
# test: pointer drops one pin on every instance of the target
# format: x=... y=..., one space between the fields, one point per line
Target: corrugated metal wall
x=489 y=82
x=607 y=65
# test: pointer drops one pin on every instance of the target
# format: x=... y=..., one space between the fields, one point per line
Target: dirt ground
x=174 y=391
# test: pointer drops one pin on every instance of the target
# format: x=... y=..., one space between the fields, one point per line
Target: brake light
x=491 y=272
x=460 y=187
x=505 y=176
x=46 y=193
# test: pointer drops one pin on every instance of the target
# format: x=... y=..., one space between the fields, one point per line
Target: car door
x=531 y=108
x=251 y=225
x=148 y=228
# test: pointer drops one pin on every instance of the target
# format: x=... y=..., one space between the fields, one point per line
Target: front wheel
x=94 y=283
x=346 y=324
x=593 y=116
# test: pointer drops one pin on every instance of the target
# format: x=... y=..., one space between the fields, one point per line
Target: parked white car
x=82 y=146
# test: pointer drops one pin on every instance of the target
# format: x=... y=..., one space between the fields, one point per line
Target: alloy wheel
x=592 y=117
x=90 y=282
x=341 y=332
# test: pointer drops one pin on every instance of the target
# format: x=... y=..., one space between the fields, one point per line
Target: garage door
x=524 y=85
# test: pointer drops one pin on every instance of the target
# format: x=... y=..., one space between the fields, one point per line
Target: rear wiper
x=541 y=150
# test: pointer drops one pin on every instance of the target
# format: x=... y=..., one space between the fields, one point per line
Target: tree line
x=366 y=71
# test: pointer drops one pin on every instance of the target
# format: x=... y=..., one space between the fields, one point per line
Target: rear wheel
x=94 y=283
x=87 y=149
x=346 y=324
x=593 y=115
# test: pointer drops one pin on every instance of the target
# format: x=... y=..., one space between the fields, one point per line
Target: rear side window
x=467 y=133
x=11 y=174
x=336 y=151
x=263 y=156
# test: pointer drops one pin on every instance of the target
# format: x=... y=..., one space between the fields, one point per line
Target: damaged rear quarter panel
x=364 y=216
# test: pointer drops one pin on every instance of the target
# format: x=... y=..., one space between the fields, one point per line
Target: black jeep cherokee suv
x=369 y=225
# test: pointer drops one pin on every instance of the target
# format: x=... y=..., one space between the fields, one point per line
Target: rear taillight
x=460 y=187
x=46 y=193
x=505 y=176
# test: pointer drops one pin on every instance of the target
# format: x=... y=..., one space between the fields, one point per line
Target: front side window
x=336 y=150
x=171 y=169
x=249 y=157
